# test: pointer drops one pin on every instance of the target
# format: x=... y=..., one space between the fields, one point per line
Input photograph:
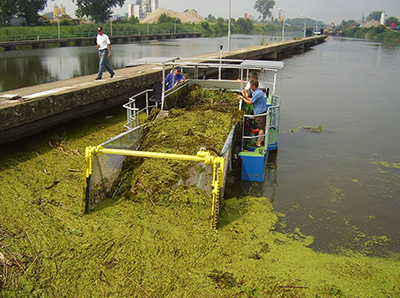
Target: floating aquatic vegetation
x=135 y=249
x=312 y=129
x=317 y=129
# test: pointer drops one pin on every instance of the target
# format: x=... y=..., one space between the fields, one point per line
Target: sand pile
x=189 y=16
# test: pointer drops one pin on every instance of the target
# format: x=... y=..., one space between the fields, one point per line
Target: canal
x=337 y=171
x=336 y=175
x=37 y=66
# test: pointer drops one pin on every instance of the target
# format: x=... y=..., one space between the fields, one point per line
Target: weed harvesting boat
x=188 y=135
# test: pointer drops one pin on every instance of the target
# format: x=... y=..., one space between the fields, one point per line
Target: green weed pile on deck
x=204 y=120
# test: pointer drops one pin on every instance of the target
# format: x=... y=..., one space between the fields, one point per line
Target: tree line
x=97 y=10
x=390 y=31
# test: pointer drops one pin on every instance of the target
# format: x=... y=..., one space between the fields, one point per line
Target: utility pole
x=229 y=26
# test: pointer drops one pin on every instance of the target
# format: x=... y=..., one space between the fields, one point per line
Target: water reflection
x=30 y=70
x=37 y=66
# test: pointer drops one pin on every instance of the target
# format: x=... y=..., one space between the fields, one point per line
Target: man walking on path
x=104 y=46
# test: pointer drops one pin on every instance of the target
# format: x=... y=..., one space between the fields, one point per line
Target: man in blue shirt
x=259 y=102
x=173 y=78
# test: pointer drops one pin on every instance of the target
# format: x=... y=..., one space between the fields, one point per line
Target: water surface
x=29 y=67
x=341 y=185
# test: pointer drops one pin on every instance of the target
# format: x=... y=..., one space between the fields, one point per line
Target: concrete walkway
x=32 y=109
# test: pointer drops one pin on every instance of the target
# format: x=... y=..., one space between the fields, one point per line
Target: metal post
x=175 y=26
x=283 y=26
x=163 y=85
x=304 y=27
x=283 y=23
x=220 y=61
x=148 y=29
x=110 y=27
x=229 y=25
x=58 y=25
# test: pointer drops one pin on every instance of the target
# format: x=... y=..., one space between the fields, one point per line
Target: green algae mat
x=131 y=247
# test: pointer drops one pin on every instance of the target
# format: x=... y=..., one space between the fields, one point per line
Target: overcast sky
x=324 y=10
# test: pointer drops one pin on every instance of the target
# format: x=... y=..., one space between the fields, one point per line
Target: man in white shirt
x=104 y=46
x=247 y=92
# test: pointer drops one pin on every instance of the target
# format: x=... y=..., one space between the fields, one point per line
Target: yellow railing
x=201 y=156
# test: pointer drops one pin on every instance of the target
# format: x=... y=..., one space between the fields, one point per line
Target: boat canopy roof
x=151 y=60
x=228 y=63
x=262 y=64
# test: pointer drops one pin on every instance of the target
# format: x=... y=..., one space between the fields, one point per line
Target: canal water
x=29 y=67
x=337 y=170
x=336 y=175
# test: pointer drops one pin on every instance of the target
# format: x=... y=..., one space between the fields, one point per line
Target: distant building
x=58 y=11
x=18 y=21
x=142 y=8
x=382 y=21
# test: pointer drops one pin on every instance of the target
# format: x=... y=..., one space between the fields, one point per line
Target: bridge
x=81 y=41
x=29 y=110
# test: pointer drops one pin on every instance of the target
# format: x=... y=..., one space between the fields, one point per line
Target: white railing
x=134 y=113
x=271 y=123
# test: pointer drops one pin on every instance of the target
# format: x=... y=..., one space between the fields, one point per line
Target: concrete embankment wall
x=79 y=41
x=33 y=109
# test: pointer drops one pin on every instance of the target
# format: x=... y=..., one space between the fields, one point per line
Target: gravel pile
x=189 y=16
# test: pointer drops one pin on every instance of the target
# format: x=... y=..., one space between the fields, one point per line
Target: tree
x=211 y=18
x=134 y=20
x=99 y=10
x=245 y=26
x=24 y=8
x=163 y=18
x=264 y=7
x=392 y=20
x=29 y=9
x=347 y=24
x=375 y=15
x=7 y=10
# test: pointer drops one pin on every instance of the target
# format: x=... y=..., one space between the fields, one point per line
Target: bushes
x=375 y=33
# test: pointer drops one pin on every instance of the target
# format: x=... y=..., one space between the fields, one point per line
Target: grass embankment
x=9 y=33
x=207 y=29
x=134 y=248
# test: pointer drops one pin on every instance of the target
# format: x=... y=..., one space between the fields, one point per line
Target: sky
x=322 y=10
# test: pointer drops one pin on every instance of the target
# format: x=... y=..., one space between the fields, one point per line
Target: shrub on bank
x=375 y=33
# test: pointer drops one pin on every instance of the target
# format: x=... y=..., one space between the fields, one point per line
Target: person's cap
x=178 y=68
x=99 y=28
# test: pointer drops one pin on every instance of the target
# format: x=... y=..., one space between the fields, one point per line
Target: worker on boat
x=259 y=102
x=247 y=92
x=174 y=78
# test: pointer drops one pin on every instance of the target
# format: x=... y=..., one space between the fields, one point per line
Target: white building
x=135 y=10
x=142 y=8
x=153 y=5
x=382 y=21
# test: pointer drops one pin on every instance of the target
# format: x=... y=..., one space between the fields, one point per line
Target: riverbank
x=374 y=33
x=138 y=249
x=67 y=30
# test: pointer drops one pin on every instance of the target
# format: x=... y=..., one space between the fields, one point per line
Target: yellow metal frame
x=201 y=156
